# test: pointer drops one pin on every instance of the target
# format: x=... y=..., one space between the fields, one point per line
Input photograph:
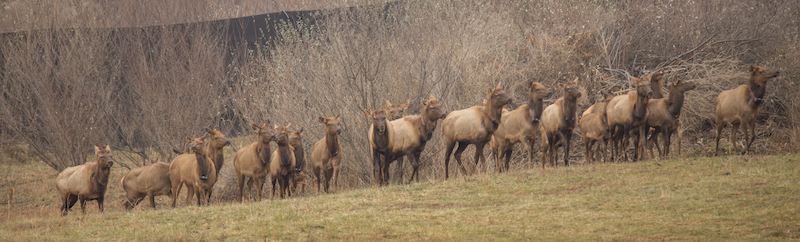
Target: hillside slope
x=749 y=197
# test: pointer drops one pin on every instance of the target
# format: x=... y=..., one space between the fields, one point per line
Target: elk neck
x=570 y=106
x=99 y=179
x=299 y=156
x=332 y=142
x=380 y=140
x=284 y=152
x=216 y=155
x=756 y=93
x=537 y=107
x=263 y=150
x=640 y=106
x=675 y=102
x=202 y=163
x=494 y=114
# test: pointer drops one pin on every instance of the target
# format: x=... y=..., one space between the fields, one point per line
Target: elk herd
x=642 y=114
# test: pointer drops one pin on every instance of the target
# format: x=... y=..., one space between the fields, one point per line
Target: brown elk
x=326 y=155
x=301 y=164
x=282 y=165
x=380 y=136
x=473 y=125
x=663 y=116
x=147 y=181
x=519 y=125
x=196 y=171
x=656 y=83
x=411 y=133
x=395 y=111
x=740 y=106
x=594 y=128
x=253 y=161
x=216 y=142
x=627 y=114
x=558 y=121
x=85 y=182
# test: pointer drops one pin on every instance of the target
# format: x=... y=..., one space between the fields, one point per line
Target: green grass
x=727 y=198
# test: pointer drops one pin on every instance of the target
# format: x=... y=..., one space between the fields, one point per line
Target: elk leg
x=272 y=194
x=399 y=169
x=529 y=144
x=588 y=156
x=461 y=147
x=416 y=167
x=734 y=130
x=83 y=204
x=414 y=164
x=317 y=174
x=545 y=148
x=505 y=165
x=189 y=194
x=605 y=150
x=176 y=189
x=720 y=125
x=240 y=182
x=567 y=140
x=259 y=187
x=479 y=156
x=752 y=130
x=328 y=176
x=152 y=199
x=377 y=175
x=666 y=136
x=447 y=151
x=100 y=203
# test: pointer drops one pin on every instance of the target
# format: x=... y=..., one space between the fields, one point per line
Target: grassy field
x=728 y=198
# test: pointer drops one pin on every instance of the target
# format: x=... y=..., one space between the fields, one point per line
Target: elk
x=594 y=128
x=301 y=165
x=519 y=125
x=411 y=133
x=85 y=182
x=196 y=171
x=473 y=125
x=326 y=156
x=216 y=142
x=558 y=121
x=282 y=165
x=147 y=181
x=253 y=161
x=380 y=136
x=656 y=83
x=626 y=114
x=395 y=111
x=740 y=106
x=663 y=116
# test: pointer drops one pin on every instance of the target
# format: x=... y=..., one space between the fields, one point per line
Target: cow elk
x=520 y=125
x=301 y=164
x=740 y=106
x=253 y=161
x=196 y=171
x=664 y=116
x=380 y=136
x=594 y=128
x=147 y=181
x=326 y=156
x=474 y=125
x=395 y=111
x=85 y=182
x=282 y=165
x=216 y=142
x=627 y=114
x=558 y=121
x=411 y=133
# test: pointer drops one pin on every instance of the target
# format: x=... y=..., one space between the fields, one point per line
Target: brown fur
x=558 y=121
x=663 y=116
x=196 y=171
x=301 y=164
x=594 y=128
x=253 y=161
x=657 y=84
x=740 y=106
x=395 y=111
x=519 y=125
x=380 y=136
x=283 y=162
x=215 y=144
x=147 y=181
x=627 y=114
x=473 y=125
x=326 y=156
x=411 y=133
x=85 y=182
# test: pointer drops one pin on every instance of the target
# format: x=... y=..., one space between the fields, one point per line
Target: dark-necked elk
x=519 y=125
x=663 y=115
x=627 y=114
x=253 y=161
x=558 y=121
x=395 y=111
x=594 y=128
x=474 y=125
x=380 y=136
x=301 y=164
x=411 y=133
x=326 y=155
x=85 y=182
x=196 y=171
x=282 y=165
x=740 y=106
x=216 y=142
x=147 y=181
x=657 y=84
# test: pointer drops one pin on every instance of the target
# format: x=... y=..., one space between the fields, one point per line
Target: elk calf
x=147 y=181
x=558 y=121
x=473 y=125
x=283 y=162
x=519 y=125
x=253 y=161
x=85 y=182
x=740 y=106
x=301 y=165
x=196 y=171
x=380 y=136
x=326 y=156
x=594 y=128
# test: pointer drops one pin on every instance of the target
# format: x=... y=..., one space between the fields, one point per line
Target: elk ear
x=484 y=102
x=423 y=102
x=321 y=119
x=266 y=124
x=753 y=69
x=254 y=126
x=405 y=105
x=530 y=84
x=108 y=147
x=388 y=103
x=366 y=112
x=208 y=130
x=337 y=116
x=489 y=91
x=300 y=130
x=188 y=140
x=499 y=85
x=431 y=97
x=96 y=149
x=287 y=126
x=176 y=151
x=560 y=86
